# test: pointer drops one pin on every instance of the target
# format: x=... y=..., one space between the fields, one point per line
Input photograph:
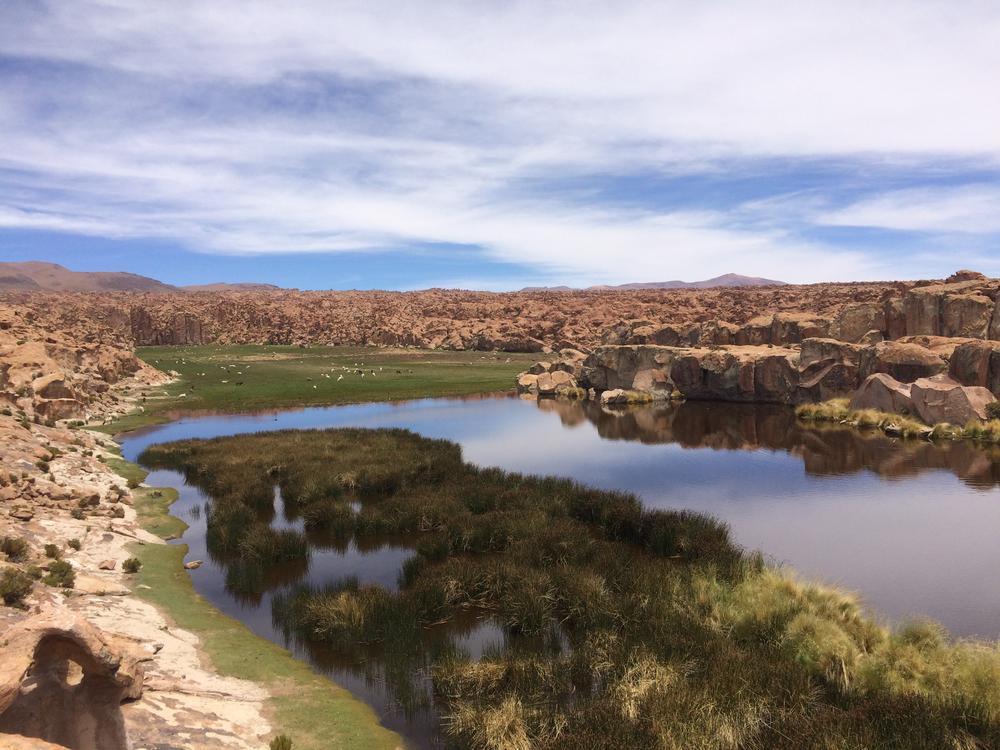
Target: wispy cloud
x=254 y=127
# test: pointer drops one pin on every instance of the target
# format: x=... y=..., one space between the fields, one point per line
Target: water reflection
x=830 y=450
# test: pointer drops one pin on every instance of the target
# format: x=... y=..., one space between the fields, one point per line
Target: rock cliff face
x=939 y=336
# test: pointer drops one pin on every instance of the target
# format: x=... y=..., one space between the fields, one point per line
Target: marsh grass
x=898 y=425
x=674 y=636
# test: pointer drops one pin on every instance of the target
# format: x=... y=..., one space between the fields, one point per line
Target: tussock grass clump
x=623 y=626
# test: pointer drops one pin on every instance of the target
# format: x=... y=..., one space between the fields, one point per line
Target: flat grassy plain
x=248 y=378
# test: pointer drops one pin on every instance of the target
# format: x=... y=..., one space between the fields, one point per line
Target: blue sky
x=492 y=145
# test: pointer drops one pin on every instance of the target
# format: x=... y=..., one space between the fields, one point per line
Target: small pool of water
x=911 y=526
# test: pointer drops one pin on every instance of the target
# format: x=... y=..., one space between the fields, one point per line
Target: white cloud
x=251 y=126
x=966 y=209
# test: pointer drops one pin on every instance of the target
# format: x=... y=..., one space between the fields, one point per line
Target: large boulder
x=816 y=350
x=977 y=363
x=941 y=399
x=675 y=335
x=966 y=315
x=883 y=393
x=756 y=331
x=854 y=321
x=527 y=383
x=548 y=382
x=905 y=362
x=791 y=328
x=750 y=373
x=655 y=382
x=718 y=332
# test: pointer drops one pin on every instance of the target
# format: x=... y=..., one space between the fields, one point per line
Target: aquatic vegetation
x=839 y=411
x=624 y=626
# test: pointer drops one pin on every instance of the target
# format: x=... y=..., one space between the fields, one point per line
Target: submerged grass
x=675 y=637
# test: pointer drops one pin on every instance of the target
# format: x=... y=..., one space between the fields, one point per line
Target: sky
x=494 y=145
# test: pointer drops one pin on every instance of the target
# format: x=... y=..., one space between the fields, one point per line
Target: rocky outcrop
x=941 y=399
x=38 y=655
x=977 y=363
x=905 y=362
x=882 y=392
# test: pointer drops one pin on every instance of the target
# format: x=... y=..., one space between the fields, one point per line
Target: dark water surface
x=912 y=527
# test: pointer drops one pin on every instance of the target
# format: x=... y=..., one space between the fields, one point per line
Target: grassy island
x=626 y=627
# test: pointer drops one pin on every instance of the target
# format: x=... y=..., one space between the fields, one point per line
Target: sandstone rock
x=675 y=335
x=853 y=322
x=539 y=367
x=45 y=640
x=965 y=275
x=737 y=374
x=527 y=383
x=791 y=328
x=816 y=350
x=883 y=393
x=756 y=332
x=873 y=336
x=614 y=396
x=548 y=382
x=941 y=399
x=107 y=565
x=905 y=362
x=966 y=315
x=193 y=564
x=977 y=363
x=655 y=382
x=718 y=332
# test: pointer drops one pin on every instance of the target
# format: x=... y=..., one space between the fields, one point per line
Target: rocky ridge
x=437 y=318
x=933 y=351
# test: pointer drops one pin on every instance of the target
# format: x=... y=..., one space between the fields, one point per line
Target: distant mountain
x=246 y=286
x=38 y=276
x=726 y=280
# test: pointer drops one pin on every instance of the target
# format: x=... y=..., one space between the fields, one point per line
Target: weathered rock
x=853 y=322
x=655 y=382
x=107 y=565
x=539 y=367
x=977 y=363
x=527 y=383
x=941 y=399
x=756 y=331
x=791 y=328
x=816 y=350
x=41 y=645
x=614 y=396
x=883 y=393
x=905 y=362
x=763 y=374
x=966 y=315
x=193 y=564
x=548 y=382
x=718 y=332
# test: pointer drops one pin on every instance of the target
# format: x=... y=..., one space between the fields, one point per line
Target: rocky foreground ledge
x=934 y=353
x=84 y=662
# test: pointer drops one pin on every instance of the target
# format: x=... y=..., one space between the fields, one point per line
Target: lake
x=911 y=526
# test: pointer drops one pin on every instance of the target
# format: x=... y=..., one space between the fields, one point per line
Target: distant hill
x=726 y=280
x=39 y=276
x=247 y=286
